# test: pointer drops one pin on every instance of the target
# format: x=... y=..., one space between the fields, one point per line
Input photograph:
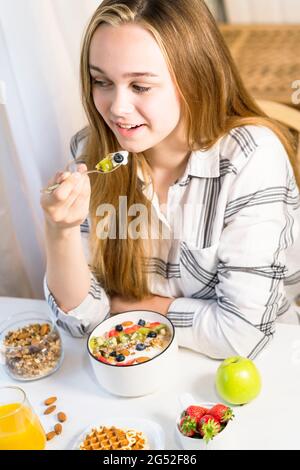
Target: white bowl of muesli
x=133 y=353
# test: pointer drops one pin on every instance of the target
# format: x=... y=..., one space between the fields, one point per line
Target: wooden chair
x=266 y=57
x=288 y=116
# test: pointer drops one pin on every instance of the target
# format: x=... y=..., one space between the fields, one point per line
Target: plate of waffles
x=122 y=434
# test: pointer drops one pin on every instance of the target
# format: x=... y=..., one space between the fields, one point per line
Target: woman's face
x=149 y=101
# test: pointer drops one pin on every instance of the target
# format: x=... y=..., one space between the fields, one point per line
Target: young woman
x=207 y=164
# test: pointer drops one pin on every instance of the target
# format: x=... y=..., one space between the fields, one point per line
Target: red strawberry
x=221 y=413
x=131 y=329
x=113 y=333
x=208 y=427
x=188 y=426
x=102 y=359
x=196 y=412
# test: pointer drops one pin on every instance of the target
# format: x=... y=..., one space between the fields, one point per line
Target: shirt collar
x=201 y=164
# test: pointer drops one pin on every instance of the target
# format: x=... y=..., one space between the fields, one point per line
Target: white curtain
x=40 y=109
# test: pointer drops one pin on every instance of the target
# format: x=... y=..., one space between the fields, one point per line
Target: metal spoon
x=110 y=163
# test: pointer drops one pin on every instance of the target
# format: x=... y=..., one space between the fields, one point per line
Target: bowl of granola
x=30 y=346
x=133 y=353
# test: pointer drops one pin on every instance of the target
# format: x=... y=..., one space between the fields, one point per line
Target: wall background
x=262 y=11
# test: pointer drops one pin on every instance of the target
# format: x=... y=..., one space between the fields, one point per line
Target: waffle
x=112 y=438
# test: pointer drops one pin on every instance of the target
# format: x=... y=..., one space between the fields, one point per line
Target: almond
x=22 y=335
x=50 y=435
x=50 y=400
x=61 y=417
x=44 y=329
x=58 y=428
x=49 y=410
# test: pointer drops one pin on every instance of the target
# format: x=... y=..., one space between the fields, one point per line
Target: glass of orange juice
x=20 y=428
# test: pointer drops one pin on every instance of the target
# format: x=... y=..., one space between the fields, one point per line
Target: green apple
x=238 y=380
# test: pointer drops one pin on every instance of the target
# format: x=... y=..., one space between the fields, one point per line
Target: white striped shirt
x=235 y=269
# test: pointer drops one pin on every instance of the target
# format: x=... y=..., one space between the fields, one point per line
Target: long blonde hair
x=206 y=78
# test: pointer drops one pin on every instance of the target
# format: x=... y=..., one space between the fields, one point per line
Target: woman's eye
x=141 y=89
x=99 y=83
x=138 y=89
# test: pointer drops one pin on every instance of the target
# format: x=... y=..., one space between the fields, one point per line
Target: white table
x=269 y=422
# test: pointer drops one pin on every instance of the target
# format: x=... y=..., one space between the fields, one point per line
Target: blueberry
x=120 y=358
x=141 y=323
x=151 y=334
x=113 y=354
x=119 y=328
x=140 y=347
x=118 y=158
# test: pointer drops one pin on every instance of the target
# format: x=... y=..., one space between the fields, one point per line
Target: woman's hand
x=156 y=303
x=68 y=205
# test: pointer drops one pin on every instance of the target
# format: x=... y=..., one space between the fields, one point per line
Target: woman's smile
x=131 y=132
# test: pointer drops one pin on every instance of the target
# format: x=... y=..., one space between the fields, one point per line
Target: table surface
x=269 y=422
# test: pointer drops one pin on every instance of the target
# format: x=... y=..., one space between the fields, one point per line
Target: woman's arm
x=72 y=292
x=64 y=210
x=156 y=303
x=68 y=275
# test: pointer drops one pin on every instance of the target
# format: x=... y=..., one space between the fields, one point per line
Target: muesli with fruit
x=128 y=343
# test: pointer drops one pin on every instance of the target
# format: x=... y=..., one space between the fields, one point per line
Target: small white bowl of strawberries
x=205 y=426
